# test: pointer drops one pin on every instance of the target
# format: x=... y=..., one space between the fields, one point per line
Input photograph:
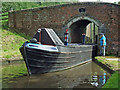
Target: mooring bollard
x=66 y=38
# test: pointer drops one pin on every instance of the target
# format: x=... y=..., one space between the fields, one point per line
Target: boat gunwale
x=61 y=52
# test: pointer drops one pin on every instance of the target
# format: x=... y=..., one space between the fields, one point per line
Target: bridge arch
x=77 y=26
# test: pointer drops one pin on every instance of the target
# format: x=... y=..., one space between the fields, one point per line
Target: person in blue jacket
x=102 y=44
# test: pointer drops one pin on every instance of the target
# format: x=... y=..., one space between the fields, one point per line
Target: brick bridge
x=91 y=18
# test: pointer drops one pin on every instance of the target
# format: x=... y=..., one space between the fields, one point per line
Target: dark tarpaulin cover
x=48 y=36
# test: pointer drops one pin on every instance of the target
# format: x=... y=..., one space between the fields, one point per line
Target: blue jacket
x=101 y=40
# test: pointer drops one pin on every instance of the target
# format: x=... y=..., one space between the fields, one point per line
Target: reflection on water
x=88 y=75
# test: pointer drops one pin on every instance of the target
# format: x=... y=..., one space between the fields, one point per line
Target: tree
x=7 y=6
x=119 y=3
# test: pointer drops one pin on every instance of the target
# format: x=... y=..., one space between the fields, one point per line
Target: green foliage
x=119 y=2
x=7 y=6
x=113 y=81
x=43 y=4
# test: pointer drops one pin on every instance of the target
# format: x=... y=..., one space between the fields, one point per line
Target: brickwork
x=55 y=17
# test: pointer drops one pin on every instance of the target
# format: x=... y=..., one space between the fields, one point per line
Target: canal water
x=88 y=75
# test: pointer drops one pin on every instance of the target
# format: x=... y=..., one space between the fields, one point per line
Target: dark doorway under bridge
x=90 y=29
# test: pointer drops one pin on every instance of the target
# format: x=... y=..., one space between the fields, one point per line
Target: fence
x=4 y=17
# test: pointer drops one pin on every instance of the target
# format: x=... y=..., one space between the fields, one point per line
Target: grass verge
x=112 y=64
x=113 y=81
x=11 y=42
x=12 y=71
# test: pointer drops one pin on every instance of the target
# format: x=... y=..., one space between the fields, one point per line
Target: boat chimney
x=66 y=38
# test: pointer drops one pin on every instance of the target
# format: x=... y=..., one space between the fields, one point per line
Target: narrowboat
x=45 y=52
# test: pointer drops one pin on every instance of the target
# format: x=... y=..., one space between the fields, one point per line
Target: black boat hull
x=41 y=61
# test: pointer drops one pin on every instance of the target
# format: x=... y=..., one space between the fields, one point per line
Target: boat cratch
x=45 y=52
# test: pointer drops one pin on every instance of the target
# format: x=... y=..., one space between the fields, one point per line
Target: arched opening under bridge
x=84 y=25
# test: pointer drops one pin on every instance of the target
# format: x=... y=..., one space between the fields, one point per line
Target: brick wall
x=28 y=21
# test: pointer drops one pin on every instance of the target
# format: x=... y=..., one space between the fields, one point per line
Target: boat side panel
x=41 y=61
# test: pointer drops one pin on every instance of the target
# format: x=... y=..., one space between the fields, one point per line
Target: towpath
x=115 y=59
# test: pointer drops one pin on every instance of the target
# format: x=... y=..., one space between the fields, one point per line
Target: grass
x=12 y=71
x=112 y=64
x=113 y=81
x=11 y=42
x=111 y=57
